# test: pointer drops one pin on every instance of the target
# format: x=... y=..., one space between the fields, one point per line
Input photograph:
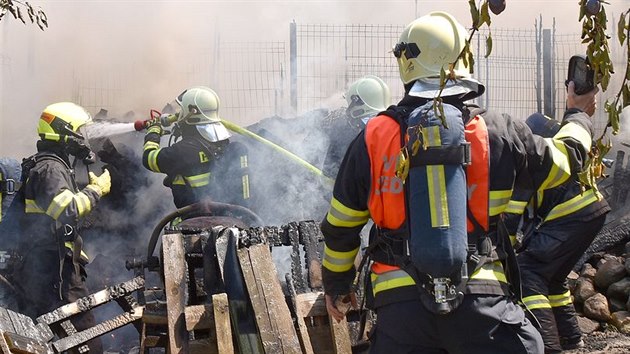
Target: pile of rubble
x=601 y=291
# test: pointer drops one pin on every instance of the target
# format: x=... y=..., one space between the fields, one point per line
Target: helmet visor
x=213 y=132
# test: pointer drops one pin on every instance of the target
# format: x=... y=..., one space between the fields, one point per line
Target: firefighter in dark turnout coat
x=52 y=272
x=487 y=320
x=190 y=163
x=565 y=222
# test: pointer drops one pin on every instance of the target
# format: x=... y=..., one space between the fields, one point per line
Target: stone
x=596 y=308
x=621 y=320
x=587 y=325
x=572 y=280
x=584 y=289
x=616 y=305
x=588 y=271
x=619 y=290
x=610 y=272
x=626 y=249
x=627 y=264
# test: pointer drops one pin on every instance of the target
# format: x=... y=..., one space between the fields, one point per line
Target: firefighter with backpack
x=442 y=269
x=44 y=215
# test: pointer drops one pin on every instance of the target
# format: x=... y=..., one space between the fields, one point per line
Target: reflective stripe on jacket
x=513 y=152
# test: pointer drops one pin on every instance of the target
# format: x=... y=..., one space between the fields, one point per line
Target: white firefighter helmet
x=366 y=97
x=61 y=120
x=428 y=44
x=200 y=108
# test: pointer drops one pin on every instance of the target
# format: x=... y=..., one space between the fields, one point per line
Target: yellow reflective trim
x=244 y=161
x=572 y=205
x=561 y=168
x=32 y=207
x=498 y=201
x=577 y=132
x=536 y=302
x=70 y=246
x=151 y=145
x=245 y=181
x=436 y=183
x=342 y=216
x=198 y=180
x=84 y=205
x=203 y=157
x=491 y=271
x=512 y=240
x=152 y=160
x=178 y=180
x=560 y=300
x=59 y=203
x=390 y=280
x=337 y=261
x=516 y=207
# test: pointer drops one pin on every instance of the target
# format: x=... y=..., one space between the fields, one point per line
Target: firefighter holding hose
x=191 y=163
x=44 y=215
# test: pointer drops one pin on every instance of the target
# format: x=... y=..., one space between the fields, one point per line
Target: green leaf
x=474 y=13
x=621 y=29
x=485 y=14
x=471 y=60
x=489 y=44
x=442 y=77
x=625 y=96
x=613 y=119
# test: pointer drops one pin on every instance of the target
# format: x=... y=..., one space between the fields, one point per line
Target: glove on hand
x=102 y=183
x=154 y=126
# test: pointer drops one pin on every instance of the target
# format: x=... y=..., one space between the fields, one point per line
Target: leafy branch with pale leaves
x=18 y=8
x=594 y=25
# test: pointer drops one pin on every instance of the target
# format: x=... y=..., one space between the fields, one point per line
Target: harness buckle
x=7 y=186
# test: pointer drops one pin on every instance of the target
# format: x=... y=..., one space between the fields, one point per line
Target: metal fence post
x=547 y=69
x=293 y=64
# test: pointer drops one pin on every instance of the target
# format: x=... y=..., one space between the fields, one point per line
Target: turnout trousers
x=40 y=293
x=482 y=324
x=548 y=256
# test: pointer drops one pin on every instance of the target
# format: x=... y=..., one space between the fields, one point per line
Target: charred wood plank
x=310 y=237
x=176 y=286
x=613 y=234
x=91 y=301
x=277 y=333
x=296 y=260
x=68 y=328
x=79 y=338
x=16 y=343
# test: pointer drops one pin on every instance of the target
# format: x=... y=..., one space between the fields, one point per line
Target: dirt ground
x=608 y=342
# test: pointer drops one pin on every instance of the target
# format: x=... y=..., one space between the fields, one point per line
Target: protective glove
x=154 y=126
x=102 y=183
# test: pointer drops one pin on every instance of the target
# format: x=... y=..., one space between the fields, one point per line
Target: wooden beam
x=275 y=324
x=199 y=317
x=310 y=304
x=340 y=336
x=222 y=326
x=176 y=292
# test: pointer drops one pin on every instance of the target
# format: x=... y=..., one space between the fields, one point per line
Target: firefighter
x=565 y=221
x=52 y=272
x=190 y=163
x=482 y=317
x=366 y=97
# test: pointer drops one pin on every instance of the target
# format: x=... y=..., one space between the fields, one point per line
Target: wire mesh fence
x=524 y=73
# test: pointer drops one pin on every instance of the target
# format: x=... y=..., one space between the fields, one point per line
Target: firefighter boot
x=568 y=328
